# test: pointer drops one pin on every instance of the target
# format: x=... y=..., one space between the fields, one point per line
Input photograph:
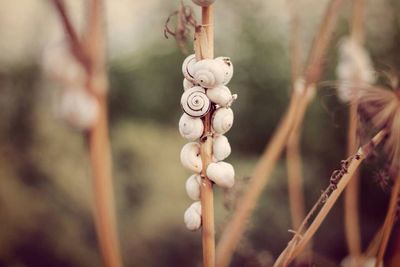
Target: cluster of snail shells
x=74 y=105
x=205 y=90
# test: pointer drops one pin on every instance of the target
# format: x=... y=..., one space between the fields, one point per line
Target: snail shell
x=187 y=67
x=221 y=147
x=221 y=95
x=227 y=67
x=192 y=216
x=78 y=108
x=222 y=174
x=193 y=187
x=195 y=102
x=203 y=2
x=187 y=84
x=208 y=73
x=190 y=128
x=190 y=157
x=222 y=120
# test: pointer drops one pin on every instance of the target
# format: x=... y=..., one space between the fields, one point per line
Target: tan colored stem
x=351 y=206
x=265 y=165
x=300 y=240
x=389 y=221
x=91 y=53
x=207 y=198
x=351 y=202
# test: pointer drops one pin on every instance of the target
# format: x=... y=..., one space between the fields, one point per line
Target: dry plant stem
x=294 y=164
x=299 y=241
x=207 y=198
x=351 y=206
x=91 y=53
x=264 y=167
x=351 y=202
x=389 y=221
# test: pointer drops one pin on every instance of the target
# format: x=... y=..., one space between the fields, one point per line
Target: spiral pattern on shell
x=222 y=120
x=208 y=73
x=195 y=102
x=187 y=67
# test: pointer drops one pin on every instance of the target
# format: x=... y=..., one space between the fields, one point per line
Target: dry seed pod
x=221 y=95
x=187 y=67
x=222 y=120
x=195 y=102
x=227 y=67
x=192 y=216
x=208 y=73
x=221 y=173
x=187 y=84
x=193 y=186
x=221 y=147
x=190 y=128
x=203 y=2
x=78 y=108
x=190 y=157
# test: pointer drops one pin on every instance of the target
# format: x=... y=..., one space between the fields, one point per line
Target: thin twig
x=74 y=42
x=389 y=221
x=327 y=200
x=264 y=167
x=206 y=38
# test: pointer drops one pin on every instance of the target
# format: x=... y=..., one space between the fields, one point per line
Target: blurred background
x=45 y=193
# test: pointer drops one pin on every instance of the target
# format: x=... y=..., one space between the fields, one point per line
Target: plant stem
x=351 y=202
x=91 y=53
x=389 y=221
x=300 y=239
x=207 y=198
x=265 y=165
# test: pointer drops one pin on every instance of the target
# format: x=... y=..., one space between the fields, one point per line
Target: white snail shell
x=221 y=95
x=193 y=187
x=190 y=128
x=187 y=84
x=227 y=67
x=78 y=108
x=192 y=216
x=190 y=157
x=221 y=147
x=195 y=102
x=203 y=2
x=222 y=120
x=208 y=73
x=221 y=173
x=187 y=67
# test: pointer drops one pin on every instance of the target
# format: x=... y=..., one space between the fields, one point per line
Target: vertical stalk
x=98 y=139
x=351 y=202
x=389 y=221
x=207 y=198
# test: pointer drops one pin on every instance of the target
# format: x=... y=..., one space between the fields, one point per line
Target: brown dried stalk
x=389 y=221
x=264 y=167
x=91 y=53
x=351 y=206
x=327 y=200
x=204 y=48
x=293 y=162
